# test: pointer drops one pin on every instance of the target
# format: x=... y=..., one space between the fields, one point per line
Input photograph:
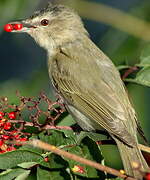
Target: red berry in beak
x=17 y=26
x=8 y=27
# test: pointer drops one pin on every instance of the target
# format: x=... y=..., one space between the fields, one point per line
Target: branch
x=54 y=149
x=144 y=148
x=46 y=127
x=129 y=71
x=114 y=17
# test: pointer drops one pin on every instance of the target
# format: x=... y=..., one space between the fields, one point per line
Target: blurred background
x=23 y=62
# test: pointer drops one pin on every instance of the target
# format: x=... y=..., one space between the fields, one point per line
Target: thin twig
x=54 y=149
x=129 y=71
x=46 y=127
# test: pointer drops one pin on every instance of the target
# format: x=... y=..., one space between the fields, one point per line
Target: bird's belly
x=84 y=122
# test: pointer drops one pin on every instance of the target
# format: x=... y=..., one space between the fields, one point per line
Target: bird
x=86 y=79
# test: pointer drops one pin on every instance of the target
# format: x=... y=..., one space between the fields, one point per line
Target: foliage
x=31 y=163
x=27 y=162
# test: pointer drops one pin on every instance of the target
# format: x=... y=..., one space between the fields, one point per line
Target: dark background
x=23 y=62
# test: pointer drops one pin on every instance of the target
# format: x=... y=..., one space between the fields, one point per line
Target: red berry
x=1 y=123
x=22 y=139
x=2 y=151
x=147 y=176
x=17 y=26
x=16 y=136
x=18 y=144
x=1 y=142
x=12 y=115
x=78 y=169
x=8 y=27
x=13 y=132
x=7 y=125
x=11 y=148
x=46 y=159
x=5 y=137
x=1 y=115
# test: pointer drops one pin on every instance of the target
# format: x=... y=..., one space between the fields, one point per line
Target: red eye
x=44 y=22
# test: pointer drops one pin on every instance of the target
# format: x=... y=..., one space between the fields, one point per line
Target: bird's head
x=55 y=24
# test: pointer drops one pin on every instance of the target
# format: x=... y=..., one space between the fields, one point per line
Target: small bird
x=86 y=79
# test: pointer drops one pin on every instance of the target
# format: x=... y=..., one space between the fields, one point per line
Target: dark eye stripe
x=44 y=22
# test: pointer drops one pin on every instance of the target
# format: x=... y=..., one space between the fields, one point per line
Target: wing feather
x=92 y=84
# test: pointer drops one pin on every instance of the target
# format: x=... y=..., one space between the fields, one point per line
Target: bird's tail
x=129 y=155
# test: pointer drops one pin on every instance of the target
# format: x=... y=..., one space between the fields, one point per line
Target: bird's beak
x=19 y=26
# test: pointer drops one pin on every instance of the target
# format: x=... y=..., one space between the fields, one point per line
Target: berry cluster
x=7 y=132
x=13 y=127
x=11 y=27
x=4 y=124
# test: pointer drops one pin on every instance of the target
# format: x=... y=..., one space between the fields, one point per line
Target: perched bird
x=86 y=79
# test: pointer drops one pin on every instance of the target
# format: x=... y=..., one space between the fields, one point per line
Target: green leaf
x=145 y=57
x=55 y=162
x=142 y=77
x=58 y=138
x=92 y=135
x=12 y=173
x=89 y=150
x=32 y=148
x=67 y=121
x=53 y=137
x=49 y=175
x=23 y=176
x=32 y=176
x=121 y=67
x=13 y=158
x=27 y=165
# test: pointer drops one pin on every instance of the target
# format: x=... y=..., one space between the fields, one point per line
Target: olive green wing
x=93 y=86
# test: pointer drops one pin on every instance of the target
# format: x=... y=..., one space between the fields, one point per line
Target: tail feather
x=130 y=155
